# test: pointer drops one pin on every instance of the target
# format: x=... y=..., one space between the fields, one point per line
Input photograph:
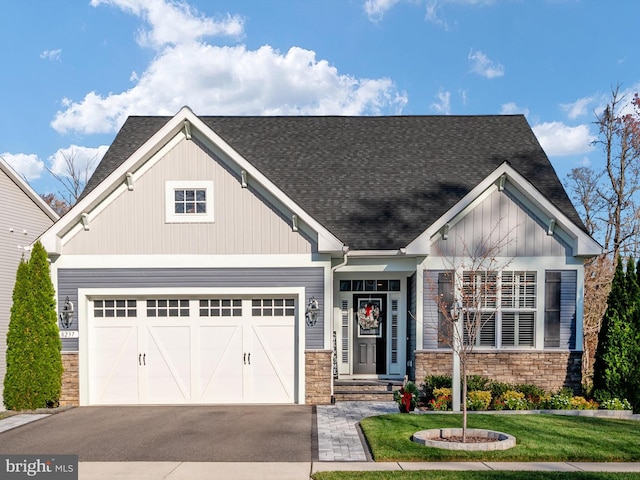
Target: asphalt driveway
x=252 y=433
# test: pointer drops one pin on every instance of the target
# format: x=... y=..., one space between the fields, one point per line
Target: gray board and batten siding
x=520 y=230
x=311 y=278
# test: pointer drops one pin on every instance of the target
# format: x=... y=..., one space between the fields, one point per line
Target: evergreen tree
x=34 y=364
x=616 y=362
x=19 y=374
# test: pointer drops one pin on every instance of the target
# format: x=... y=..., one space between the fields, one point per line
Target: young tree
x=469 y=303
x=607 y=200
x=34 y=364
x=620 y=142
x=74 y=175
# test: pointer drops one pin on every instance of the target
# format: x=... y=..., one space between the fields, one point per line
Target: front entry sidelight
x=369 y=333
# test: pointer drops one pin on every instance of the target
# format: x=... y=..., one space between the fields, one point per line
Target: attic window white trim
x=177 y=207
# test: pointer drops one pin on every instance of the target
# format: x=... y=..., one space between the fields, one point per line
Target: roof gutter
x=378 y=253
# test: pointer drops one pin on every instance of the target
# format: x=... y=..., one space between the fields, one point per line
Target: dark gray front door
x=369 y=333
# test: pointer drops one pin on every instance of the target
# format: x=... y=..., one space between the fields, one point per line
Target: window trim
x=172 y=185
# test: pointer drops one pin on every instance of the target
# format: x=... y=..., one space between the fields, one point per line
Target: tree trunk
x=464 y=402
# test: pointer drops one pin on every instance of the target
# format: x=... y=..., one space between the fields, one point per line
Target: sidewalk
x=303 y=470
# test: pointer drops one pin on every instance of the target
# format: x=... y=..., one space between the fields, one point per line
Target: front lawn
x=539 y=438
x=484 y=475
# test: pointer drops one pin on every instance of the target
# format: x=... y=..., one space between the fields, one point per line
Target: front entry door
x=369 y=334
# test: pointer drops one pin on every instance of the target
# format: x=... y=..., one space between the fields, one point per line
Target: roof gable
x=375 y=183
x=28 y=191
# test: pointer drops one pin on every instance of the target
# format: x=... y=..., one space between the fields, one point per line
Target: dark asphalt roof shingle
x=374 y=182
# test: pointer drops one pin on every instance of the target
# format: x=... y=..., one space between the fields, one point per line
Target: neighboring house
x=23 y=217
x=201 y=246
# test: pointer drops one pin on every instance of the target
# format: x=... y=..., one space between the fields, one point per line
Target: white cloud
x=513 y=109
x=558 y=139
x=443 y=105
x=173 y=22
x=577 y=108
x=85 y=160
x=376 y=9
x=483 y=65
x=27 y=165
x=51 y=54
x=228 y=81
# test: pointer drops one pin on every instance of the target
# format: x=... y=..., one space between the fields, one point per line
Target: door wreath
x=369 y=315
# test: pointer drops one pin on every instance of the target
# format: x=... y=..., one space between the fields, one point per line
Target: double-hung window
x=479 y=304
x=501 y=303
x=518 y=309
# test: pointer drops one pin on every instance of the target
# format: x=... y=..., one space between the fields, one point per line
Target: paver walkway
x=338 y=436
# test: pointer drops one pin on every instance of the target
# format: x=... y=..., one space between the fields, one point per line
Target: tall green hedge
x=34 y=363
x=617 y=361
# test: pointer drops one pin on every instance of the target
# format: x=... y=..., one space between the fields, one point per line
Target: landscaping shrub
x=442 y=399
x=478 y=400
x=500 y=388
x=477 y=382
x=533 y=394
x=435 y=381
x=514 y=400
x=581 y=403
x=616 y=404
x=559 y=401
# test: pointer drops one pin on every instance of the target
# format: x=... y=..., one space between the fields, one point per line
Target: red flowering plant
x=406 y=397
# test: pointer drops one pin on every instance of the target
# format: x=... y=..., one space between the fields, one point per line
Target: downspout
x=345 y=253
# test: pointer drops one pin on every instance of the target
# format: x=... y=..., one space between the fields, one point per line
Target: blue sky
x=75 y=69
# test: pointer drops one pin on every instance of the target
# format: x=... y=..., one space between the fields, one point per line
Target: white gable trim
x=146 y=156
x=582 y=244
x=29 y=192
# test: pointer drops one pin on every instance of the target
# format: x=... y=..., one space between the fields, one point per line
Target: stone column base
x=318 y=379
x=70 y=382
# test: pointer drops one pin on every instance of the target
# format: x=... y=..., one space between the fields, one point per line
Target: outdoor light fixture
x=66 y=315
x=311 y=313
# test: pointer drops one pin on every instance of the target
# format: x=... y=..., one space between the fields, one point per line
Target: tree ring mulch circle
x=478 y=440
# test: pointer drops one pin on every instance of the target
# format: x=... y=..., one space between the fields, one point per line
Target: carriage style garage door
x=191 y=350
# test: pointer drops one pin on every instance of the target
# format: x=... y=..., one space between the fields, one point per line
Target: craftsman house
x=264 y=259
x=23 y=217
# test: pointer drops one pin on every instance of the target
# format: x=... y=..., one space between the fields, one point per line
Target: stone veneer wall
x=70 y=384
x=318 y=375
x=546 y=369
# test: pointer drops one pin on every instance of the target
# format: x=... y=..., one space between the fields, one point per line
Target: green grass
x=484 y=475
x=539 y=438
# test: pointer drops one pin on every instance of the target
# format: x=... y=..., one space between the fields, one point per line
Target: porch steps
x=377 y=390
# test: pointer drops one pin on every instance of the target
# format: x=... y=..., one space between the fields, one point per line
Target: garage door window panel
x=110 y=308
x=221 y=307
x=167 y=308
x=273 y=307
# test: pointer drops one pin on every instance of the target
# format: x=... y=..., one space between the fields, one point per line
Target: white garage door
x=192 y=350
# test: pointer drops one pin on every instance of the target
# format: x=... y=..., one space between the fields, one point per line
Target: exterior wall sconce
x=311 y=313
x=66 y=315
